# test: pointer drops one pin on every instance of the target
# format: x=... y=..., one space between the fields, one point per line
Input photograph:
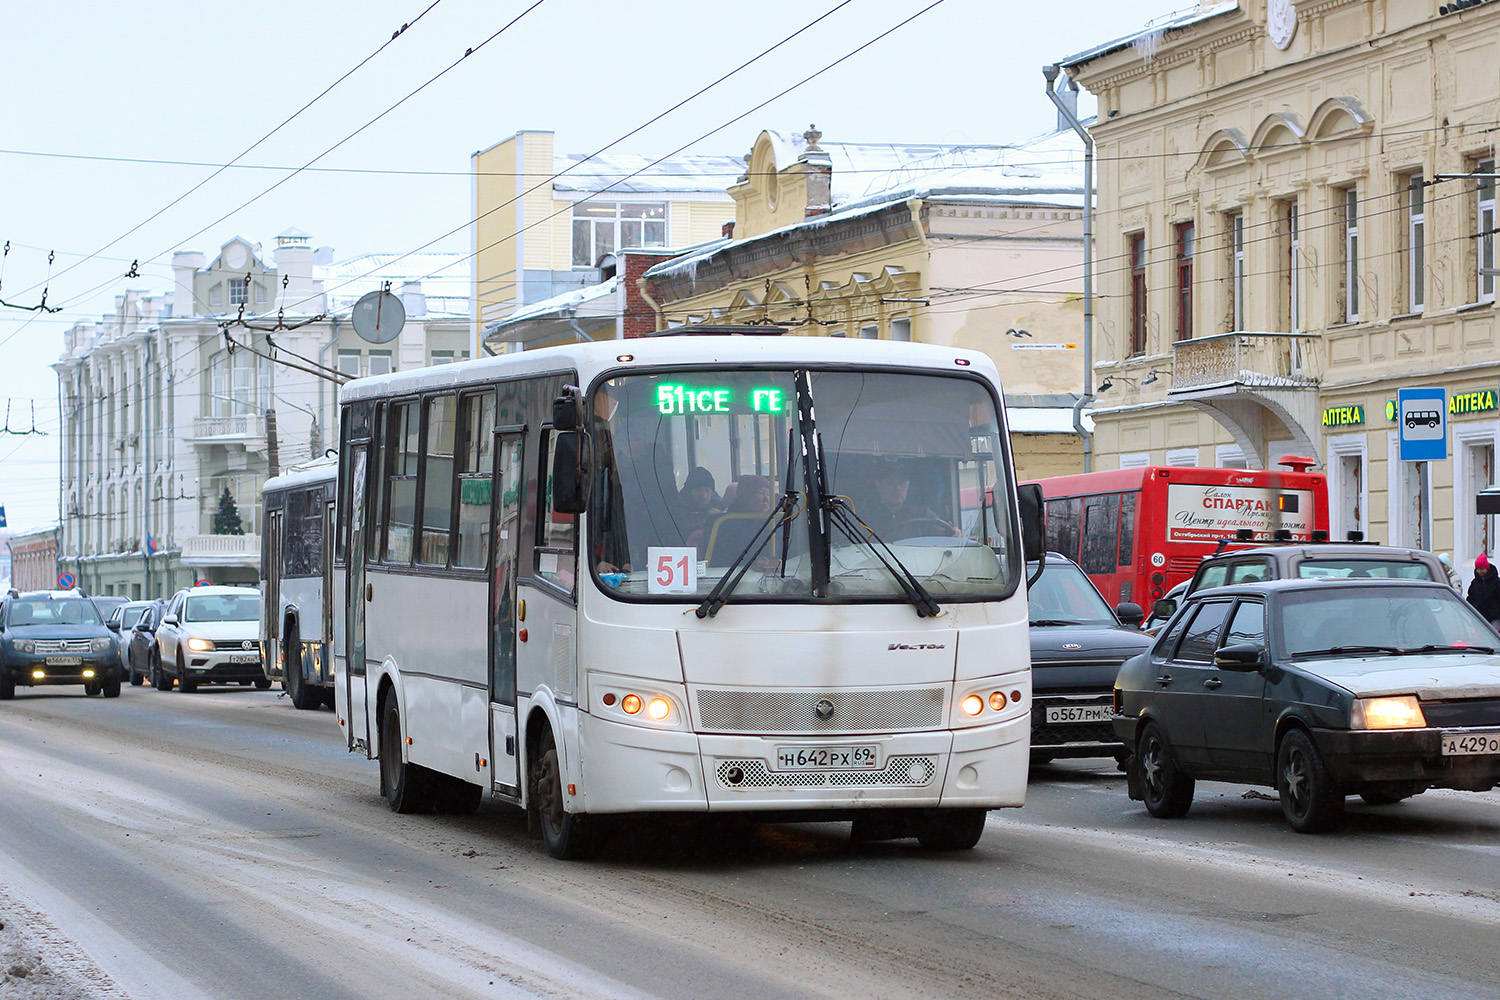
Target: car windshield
x=1355 y=568
x=1321 y=621
x=690 y=465
x=222 y=608
x=1064 y=595
x=64 y=612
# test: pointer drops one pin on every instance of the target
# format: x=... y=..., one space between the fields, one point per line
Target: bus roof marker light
x=961 y=362
x=624 y=357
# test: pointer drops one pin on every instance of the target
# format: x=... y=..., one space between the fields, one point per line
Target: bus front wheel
x=304 y=697
x=950 y=829
x=565 y=834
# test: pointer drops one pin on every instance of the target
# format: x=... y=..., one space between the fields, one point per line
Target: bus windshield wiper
x=858 y=532
x=736 y=570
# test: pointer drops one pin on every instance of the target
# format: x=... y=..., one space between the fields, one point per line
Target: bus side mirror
x=1033 y=537
x=571 y=462
x=565 y=414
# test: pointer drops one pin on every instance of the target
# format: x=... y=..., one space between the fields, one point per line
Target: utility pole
x=1066 y=113
x=147 y=403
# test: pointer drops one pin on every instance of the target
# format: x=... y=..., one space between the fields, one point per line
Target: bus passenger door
x=350 y=701
x=505 y=539
x=323 y=658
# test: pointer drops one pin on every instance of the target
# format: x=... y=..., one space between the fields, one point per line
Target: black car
x=121 y=620
x=1077 y=646
x=141 y=661
x=1319 y=688
x=56 y=637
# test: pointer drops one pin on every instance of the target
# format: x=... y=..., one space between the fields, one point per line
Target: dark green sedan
x=1320 y=689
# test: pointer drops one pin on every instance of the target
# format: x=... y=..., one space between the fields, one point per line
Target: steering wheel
x=913 y=527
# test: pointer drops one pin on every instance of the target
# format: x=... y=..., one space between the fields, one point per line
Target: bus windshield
x=700 y=472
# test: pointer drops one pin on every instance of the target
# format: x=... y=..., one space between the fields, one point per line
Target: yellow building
x=1285 y=242
x=977 y=247
x=548 y=224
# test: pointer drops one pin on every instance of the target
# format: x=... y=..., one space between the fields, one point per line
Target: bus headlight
x=1401 y=712
x=659 y=708
x=612 y=698
x=972 y=705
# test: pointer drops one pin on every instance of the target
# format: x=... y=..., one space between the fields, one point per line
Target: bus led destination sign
x=675 y=399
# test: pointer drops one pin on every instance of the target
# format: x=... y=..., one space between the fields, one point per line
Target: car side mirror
x=143 y=626
x=169 y=620
x=1033 y=523
x=1241 y=656
x=1130 y=614
x=1164 y=608
x=113 y=627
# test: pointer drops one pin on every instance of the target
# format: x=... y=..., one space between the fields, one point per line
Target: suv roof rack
x=1283 y=537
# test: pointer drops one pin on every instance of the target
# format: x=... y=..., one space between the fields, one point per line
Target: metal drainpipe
x=1051 y=73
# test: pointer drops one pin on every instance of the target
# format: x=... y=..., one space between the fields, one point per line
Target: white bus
x=296 y=572
x=539 y=602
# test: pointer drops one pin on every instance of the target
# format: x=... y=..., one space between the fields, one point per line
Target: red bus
x=1138 y=532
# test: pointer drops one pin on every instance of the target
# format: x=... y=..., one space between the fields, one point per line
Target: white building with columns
x=170 y=401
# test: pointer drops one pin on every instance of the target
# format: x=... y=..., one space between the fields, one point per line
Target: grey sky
x=201 y=80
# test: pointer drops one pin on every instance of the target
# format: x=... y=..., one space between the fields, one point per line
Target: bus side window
x=403 y=448
x=475 y=479
x=1127 y=528
x=437 y=481
x=1064 y=518
x=556 y=557
x=1101 y=532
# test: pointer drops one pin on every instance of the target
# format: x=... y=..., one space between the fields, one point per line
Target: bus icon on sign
x=1423 y=418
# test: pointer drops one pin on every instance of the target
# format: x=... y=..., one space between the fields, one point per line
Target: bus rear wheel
x=567 y=836
x=304 y=696
x=409 y=788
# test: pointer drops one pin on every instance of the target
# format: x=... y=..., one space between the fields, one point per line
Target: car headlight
x=23 y=645
x=199 y=645
x=102 y=645
x=1399 y=712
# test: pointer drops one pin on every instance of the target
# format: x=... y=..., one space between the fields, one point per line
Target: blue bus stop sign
x=1422 y=420
x=65 y=581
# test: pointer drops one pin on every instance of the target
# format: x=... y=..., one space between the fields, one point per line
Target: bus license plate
x=1078 y=713
x=863 y=757
x=64 y=661
x=1459 y=744
x=244 y=658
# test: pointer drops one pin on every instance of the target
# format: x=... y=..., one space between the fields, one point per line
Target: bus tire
x=950 y=829
x=304 y=696
x=160 y=679
x=565 y=835
x=409 y=788
x=184 y=682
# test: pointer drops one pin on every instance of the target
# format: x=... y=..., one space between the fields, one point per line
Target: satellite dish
x=378 y=317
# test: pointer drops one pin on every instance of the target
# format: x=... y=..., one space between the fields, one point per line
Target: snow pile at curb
x=39 y=962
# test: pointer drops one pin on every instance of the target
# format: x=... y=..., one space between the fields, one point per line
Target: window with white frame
x=1351 y=255
x=442 y=358
x=601 y=228
x=901 y=329
x=869 y=332
x=239 y=291
x=349 y=363
x=1416 y=242
x=238 y=384
x=1484 y=230
x=381 y=363
x=1234 y=228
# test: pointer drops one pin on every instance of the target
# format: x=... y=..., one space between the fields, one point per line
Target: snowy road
x=222 y=845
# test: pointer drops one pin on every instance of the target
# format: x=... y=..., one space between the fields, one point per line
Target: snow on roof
x=444 y=276
x=1150 y=36
x=568 y=302
x=1046 y=170
x=628 y=173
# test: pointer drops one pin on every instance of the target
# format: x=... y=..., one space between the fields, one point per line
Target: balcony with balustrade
x=1237 y=377
x=213 y=551
x=242 y=428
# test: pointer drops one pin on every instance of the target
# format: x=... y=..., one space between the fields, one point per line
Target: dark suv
x=1309 y=560
x=1077 y=646
x=56 y=637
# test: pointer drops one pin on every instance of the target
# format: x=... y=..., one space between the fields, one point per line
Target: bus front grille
x=890 y=710
x=909 y=772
